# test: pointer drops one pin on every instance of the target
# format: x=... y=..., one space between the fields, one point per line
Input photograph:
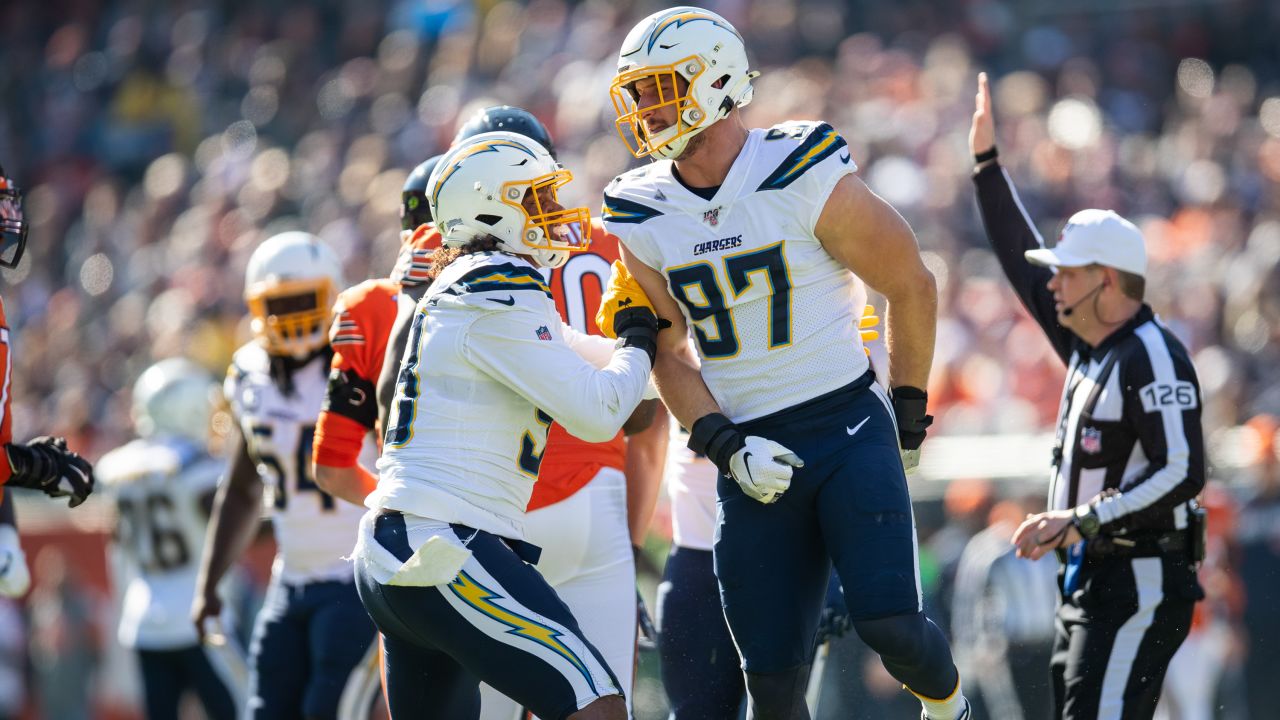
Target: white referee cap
x=1096 y=236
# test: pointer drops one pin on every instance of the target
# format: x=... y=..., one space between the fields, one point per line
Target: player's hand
x=15 y=577
x=46 y=464
x=835 y=620
x=206 y=608
x=763 y=468
x=624 y=304
x=909 y=405
x=867 y=325
x=982 y=134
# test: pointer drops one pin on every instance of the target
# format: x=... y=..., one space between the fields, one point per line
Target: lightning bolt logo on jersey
x=313 y=530
x=738 y=279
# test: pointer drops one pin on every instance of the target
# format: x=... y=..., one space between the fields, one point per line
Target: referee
x=1129 y=456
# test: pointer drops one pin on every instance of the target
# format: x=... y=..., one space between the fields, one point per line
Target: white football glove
x=15 y=577
x=763 y=468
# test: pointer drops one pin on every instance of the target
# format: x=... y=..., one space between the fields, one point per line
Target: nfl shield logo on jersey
x=1091 y=440
x=544 y=333
x=711 y=217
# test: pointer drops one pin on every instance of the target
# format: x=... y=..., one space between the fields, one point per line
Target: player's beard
x=691 y=147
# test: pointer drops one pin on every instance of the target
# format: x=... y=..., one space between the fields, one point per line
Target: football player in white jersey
x=442 y=562
x=312 y=639
x=758 y=242
x=163 y=484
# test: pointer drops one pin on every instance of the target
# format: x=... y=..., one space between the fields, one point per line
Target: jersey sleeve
x=1162 y=402
x=526 y=350
x=819 y=159
x=624 y=214
x=361 y=323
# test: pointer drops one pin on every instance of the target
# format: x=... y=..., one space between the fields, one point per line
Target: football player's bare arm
x=391 y=363
x=234 y=522
x=641 y=418
x=675 y=371
x=609 y=707
x=646 y=458
x=352 y=483
x=866 y=235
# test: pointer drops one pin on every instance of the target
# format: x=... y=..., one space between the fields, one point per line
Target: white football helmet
x=505 y=185
x=290 y=285
x=174 y=397
x=695 y=44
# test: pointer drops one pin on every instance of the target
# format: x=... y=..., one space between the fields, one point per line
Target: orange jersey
x=362 y=320
x=570 y=463
x=6 y=366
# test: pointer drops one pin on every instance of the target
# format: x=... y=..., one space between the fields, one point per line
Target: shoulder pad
x=813 y=141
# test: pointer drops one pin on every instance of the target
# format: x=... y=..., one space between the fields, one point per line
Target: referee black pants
x=1116 y=634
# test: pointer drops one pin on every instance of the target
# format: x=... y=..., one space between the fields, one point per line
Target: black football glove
x=46 y=464
x=909 y=406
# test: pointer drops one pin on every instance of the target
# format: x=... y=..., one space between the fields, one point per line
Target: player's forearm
x=646 y=457
x=911 y=325
x=681 y=386
x=352 y=484
x=233 y=524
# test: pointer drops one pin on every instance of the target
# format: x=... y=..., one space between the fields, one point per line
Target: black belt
x=1171 y=543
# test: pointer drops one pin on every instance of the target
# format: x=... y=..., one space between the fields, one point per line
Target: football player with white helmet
x=442 y=561
x=592 y=501
x=163 y=484
x=45 y=463
x=757 y=243
x=312 y=638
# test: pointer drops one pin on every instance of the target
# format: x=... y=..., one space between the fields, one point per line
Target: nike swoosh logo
x=854 y=430
x=667 y=47
x=745 y=457
x=509 y=301
x=845 y=158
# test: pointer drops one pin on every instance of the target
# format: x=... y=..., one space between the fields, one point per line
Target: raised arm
x=1009 y=228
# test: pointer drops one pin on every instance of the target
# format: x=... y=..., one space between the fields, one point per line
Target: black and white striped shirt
x=1142 y=436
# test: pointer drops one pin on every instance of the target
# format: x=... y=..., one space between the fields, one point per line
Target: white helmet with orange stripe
x=290 y=285
x=695 y=45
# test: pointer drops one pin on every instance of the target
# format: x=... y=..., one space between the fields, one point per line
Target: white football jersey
x=691 y=487
x=158 y=484
x=314 y=530
x=774 y=317
x=488 y=364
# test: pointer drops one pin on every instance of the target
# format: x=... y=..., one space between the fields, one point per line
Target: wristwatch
x=1087 y=522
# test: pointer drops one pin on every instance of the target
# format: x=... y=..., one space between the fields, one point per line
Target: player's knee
x=778 y=696
x=901 y=637
x=609 y=707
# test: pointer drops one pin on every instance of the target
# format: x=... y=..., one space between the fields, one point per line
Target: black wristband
x=986 y=155
x=716 y=437
x=637 y=327
x=909 y=409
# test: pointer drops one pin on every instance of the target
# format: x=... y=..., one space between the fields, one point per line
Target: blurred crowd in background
x=159 y=142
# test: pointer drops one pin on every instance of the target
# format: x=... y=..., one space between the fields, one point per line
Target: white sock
x=952 y=707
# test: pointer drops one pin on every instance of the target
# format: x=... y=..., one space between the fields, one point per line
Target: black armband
x=986 y=155
x=716 y=437
x=351 y=396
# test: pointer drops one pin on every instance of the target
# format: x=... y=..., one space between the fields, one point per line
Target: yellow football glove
x=866 y=323
x=624 y=297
